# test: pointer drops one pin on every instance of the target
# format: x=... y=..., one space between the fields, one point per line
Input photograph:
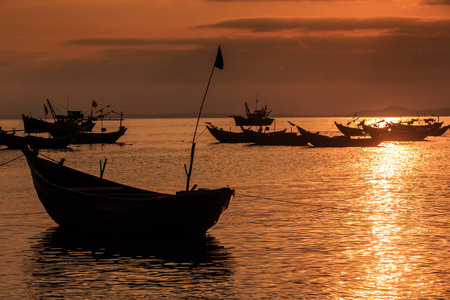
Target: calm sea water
x=305 y=223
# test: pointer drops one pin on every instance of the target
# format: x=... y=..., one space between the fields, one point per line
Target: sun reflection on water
x=387 y=259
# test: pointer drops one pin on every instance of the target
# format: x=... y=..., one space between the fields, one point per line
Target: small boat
x=83 y=137
x=225 y=136
x=277 y=138
x=93 y=137
x=397 y=135
x=76 y=200
x=259 y=117
x=13 y=141
x=319 y=140
x=351 y=131
x=73 y=121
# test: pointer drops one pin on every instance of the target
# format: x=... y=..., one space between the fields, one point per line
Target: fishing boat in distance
x=319 y=140
x=82 y=202
x=102 y=137
x=73 y=121
x=349 y=131
x=259 y=117
x=225 y=136
x=277 y=138
x=13 y=141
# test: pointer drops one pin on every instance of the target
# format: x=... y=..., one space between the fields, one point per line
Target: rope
x=11 y=160
x=296 y=203
x=200 y=134
x=48 y=157
x=319 y=205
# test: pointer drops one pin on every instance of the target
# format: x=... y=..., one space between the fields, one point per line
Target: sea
x=305 y=223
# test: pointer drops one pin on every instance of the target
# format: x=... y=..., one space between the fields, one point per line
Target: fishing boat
x=83 y=137
x=319 y=140
x=76 y=200
x=277 y=138
x=227 y=136
x=13 y=141
x=259 y=117
x=73 y=121
x=396 y=134
x=351 y=131
x=94 y=137
x=83 y=202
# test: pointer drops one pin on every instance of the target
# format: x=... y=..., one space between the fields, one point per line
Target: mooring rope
x=11 y=160
x=321 y=206
x=295 y=203
x=48 y=157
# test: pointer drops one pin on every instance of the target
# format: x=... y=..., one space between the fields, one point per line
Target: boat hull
x=277 y=138
x=92 y=204
x=224 y=136
x=93 y=137
x=318 y=140
x=13 y=141
x=350 y=131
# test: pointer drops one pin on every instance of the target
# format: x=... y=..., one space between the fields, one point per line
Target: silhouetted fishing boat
x=395 y=134
x=84 y=202
x=351 y=131
x=76 y=200
x=277 y=138
x=259 y=117
x=228 y=136
x=73 y=121
x=13 y=141
x=102 y=137
x=225 y=136
x=94 y=137
x=319 y=140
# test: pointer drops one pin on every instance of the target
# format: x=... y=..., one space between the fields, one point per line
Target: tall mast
x=218 y=63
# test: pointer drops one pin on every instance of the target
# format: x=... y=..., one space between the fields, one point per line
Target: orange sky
x=154 y=57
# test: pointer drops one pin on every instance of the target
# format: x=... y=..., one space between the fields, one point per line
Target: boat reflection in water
x=70 y=266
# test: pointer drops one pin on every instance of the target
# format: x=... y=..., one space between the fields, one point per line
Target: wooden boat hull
x=79 y=201
x=13 y=141
x=398 y=135
x=277 y=138
x=350 y=131
x=318 y=140
x=93 y=137
x=224 y=136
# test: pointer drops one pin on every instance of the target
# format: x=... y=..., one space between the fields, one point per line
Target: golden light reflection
x=386 y=259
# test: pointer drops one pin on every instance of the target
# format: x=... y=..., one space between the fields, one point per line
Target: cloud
x=436 y=2
x=392 y=25
x=407 y=64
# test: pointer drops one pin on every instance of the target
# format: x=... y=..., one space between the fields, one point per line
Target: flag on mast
x=219 y=60
x=94 y=104
x=45 y=110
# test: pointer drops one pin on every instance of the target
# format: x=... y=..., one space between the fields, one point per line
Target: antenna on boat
x=218 y=63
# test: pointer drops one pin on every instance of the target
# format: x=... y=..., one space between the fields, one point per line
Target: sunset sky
x=155 y=57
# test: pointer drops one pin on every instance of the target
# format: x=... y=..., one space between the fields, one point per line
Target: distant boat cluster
x=71 y=128
x=358 y=135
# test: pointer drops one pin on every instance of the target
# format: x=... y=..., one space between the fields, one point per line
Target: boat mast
x=218 y=63
x=51 y=110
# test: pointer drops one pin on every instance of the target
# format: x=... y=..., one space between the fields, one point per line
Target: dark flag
x=94 y=104
x=219 y=60
x=45 y=110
